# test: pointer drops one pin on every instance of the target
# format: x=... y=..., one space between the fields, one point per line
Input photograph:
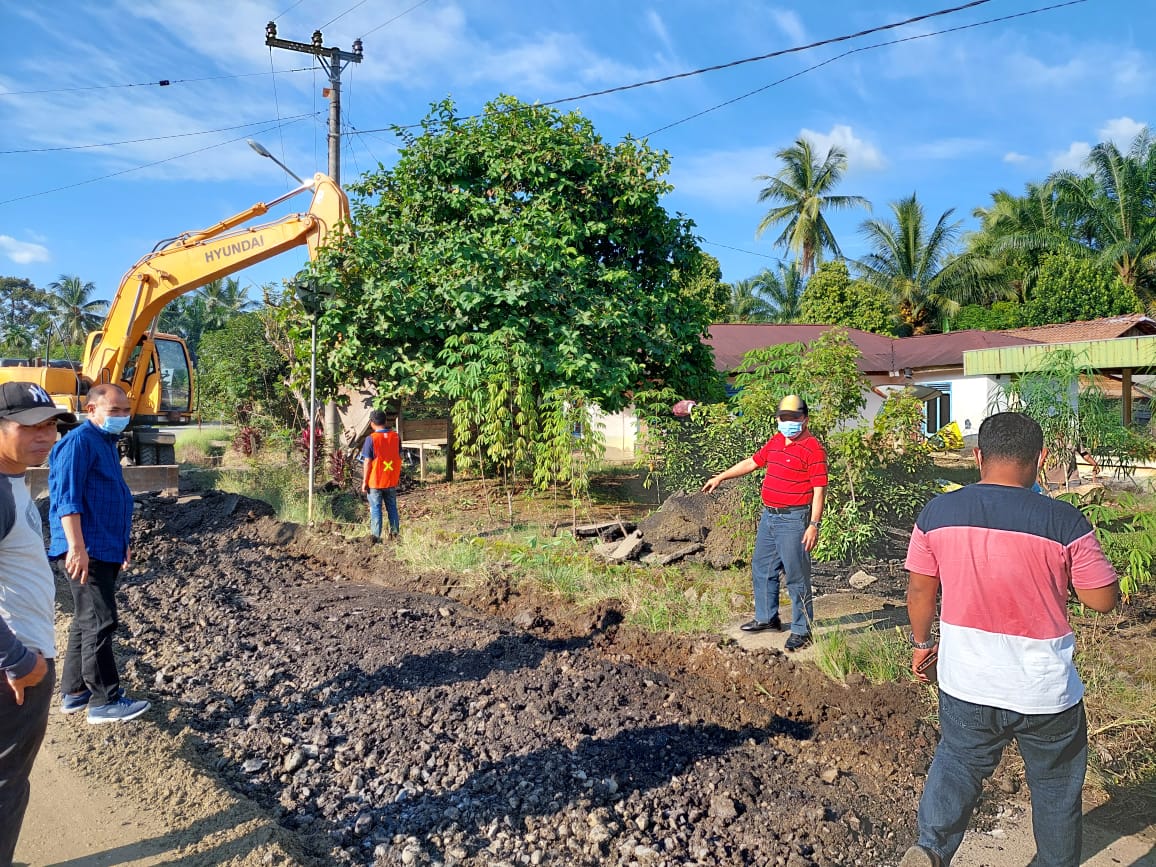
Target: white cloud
x=1015 y=158
x=790 y=23
x=860 y=154
x=23 y=253
x=658 y=26
x=1120 y=131
x=724 y=177
x=1072 y=160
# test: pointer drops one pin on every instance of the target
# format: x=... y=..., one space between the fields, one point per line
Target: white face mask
x=790 y=429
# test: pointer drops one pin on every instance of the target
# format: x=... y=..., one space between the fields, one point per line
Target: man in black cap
x=793 y=493
x=28 y=420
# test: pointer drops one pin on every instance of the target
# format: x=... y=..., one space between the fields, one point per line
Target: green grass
x=881 y=656
x=202 y=446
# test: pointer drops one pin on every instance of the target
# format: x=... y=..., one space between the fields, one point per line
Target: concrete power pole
x=333 y=61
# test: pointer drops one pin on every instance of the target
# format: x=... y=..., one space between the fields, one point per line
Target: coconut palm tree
x=1114 y=208
x=919 y=266
x=801 y=190
x=223 y=299
x=747 y=303
x=1016 y=232
x=76 y=311
x=784 y=289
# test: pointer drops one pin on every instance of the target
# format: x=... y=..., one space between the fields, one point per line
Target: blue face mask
x=790 y=429
x=115 y=424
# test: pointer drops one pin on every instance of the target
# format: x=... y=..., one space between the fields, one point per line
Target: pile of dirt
x=383 y=717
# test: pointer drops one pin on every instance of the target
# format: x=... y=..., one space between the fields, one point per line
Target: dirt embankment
x=383 y=717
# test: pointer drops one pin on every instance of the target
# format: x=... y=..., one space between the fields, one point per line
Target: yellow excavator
x=154 y=368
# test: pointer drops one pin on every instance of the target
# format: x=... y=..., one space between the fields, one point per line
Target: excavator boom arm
x=199 y=258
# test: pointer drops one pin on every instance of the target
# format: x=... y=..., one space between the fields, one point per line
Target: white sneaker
x=122 y=710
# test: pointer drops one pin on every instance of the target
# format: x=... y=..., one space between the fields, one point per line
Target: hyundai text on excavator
x=153 y=368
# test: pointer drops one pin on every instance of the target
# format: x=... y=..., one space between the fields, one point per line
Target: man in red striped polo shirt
x=1004 y=558
x=793 y=491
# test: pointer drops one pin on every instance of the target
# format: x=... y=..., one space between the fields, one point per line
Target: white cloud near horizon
x=1072 y=160
x=861 y=154
x=1015 y=158
x=1121 y=131
x=22 y=252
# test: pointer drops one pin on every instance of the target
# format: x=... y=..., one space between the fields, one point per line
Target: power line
x=151 y=138
x=132 y=169
x=394 y=18
x=278 y=16
x=741 y=250
x=848 y=53
x=343 y=14
x=164 y=82
x=781 y=52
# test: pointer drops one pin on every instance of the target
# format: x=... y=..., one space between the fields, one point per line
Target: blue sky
x=952 y=117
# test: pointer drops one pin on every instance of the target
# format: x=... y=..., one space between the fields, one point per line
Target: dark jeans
x=88 y=661
x=22 y=729
x=779 y=548
x=388 y=496
x=1054 y=748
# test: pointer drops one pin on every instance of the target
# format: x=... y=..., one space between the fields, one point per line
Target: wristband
x=816 y=524
x=921 y=645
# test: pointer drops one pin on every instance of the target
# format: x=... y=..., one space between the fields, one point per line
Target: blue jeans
x=1054 y=748
x=376 y=497
x=779 y=548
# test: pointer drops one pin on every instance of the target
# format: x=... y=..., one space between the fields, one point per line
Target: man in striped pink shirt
x=1004 y=558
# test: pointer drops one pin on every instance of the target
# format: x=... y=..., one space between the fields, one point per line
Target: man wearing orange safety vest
x=382 y=457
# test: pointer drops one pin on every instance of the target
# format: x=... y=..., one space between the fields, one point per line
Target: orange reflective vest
x=385 y=468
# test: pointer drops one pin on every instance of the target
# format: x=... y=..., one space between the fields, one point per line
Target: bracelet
x=816 y=524
x=921 y=645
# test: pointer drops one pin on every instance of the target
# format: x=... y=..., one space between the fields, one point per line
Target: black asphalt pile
x=389 y=726
x=686 y=526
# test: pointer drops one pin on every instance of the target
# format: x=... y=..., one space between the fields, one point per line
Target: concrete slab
x=850 y=612
x=141 y=480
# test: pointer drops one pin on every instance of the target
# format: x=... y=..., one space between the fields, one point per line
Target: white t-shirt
x=27 y=591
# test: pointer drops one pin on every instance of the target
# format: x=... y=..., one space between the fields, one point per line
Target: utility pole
x=333 y=61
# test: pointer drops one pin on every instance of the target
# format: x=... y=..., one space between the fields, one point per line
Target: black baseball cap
x=28 y=403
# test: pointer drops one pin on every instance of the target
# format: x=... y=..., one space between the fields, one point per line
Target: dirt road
x=316 y=704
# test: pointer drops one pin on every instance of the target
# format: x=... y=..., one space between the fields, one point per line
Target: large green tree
x=77 y=312
x=833 y=298
x=918 y=265
x=1071 y=289
x=241 y=373
x=506 y=259
x=801 y=191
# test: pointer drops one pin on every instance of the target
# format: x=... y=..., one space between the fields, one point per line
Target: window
x=937 y=410
x=174 y=364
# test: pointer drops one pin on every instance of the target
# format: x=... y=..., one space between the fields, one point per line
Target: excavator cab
x=159 y=379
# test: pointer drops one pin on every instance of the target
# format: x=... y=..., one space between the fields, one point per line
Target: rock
x=253 y=766
x=723 y=807
x=829 y=775
x=861 y=579
x=293 y=761
x=681 y=552
x=626 y=549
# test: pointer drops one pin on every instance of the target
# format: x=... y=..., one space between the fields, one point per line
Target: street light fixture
x=259 y=148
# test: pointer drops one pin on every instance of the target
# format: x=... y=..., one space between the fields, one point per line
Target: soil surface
x=317 y=703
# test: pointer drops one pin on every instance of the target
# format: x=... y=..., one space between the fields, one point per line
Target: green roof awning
x=1122 y=353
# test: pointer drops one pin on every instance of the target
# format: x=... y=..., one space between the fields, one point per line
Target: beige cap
x=793 y=403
